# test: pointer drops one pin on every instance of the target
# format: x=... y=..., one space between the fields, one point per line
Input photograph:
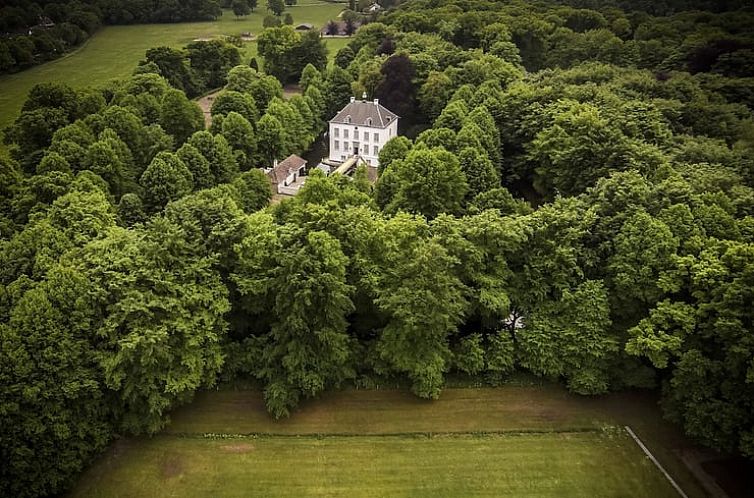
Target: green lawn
x=114 y=51
x=510 y=441
x=556 y=465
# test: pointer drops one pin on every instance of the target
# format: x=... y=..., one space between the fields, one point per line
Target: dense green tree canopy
x=588 y=219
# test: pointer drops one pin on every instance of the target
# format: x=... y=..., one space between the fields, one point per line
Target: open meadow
x=114 y=51
x=511 y=441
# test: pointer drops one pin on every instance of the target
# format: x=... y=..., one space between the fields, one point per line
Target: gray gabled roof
x=285 y=167
x=360 y=112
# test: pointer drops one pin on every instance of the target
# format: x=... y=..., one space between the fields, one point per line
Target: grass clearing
x=509 y=441
x=556 y=465
x=114 y=51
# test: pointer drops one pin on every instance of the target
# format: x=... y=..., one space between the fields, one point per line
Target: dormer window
x=348 y=119
x=369 y=121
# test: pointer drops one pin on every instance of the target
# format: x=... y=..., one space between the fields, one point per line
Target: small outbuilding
x=287 y=176
x=304 y=27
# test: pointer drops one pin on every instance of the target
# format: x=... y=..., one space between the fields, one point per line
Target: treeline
x=194 y=69
x=35 y=32
x=93 y=163
x=662 y=7
x=548 y=34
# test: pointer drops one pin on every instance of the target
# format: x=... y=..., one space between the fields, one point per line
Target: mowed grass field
x=114 y=51
x=558 y=465
x=510 y=441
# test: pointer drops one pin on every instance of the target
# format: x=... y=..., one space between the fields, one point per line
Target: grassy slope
x=310 y=454
x=114 y=51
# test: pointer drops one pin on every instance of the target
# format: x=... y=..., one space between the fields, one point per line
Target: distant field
x=510 y=441
x=115 y=50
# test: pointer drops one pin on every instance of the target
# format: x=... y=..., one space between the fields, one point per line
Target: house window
x=376 y=150
x=337 y=145
x=376 y=137
x=345 y=132
x=345 y=145
x=336 y=132
x=369 y=121
x=342 y=157
x=366 y=136
x=369 y=162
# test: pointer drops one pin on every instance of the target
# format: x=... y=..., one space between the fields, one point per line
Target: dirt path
x=291 y=91
x=205 y=103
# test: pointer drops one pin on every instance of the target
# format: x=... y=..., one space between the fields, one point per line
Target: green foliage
x=337 y=88
x=235 y=101
x=264 y=89
x=219 y=155
x=644 y=249
x=427 y=182
x=241 y=8
x=425 y=305
x=286 y=52
x=239 y=134
x=307 y=348
x=253 y=189
x=570 y=337
x=240 y=80
x=579 y=139
x=630 y=262
x=55 y=416
x=131 y=210
x=276 y=7
x=198 y=165
x=179 y=116
x=272 y=139
x=394 y=149
x=479 y=171
x=160 y=314
x=166 y=179
x=468 y=356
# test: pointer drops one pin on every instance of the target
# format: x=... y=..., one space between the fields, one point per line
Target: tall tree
x=179 y=116
x=272 y=140
x=423 y=299
x=54 y=411
x=240 y=137
x=571 y=337
x=218 y=153
x=307 y=348
x=159 y=308
x=427 y=182
x=166 y=179
x=276 y=7
x=241 y=8
x=397 y=92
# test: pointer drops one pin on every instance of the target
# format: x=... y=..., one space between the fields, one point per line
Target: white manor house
x=358 y=133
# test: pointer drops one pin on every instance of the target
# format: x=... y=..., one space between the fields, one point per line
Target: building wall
x=338 y=132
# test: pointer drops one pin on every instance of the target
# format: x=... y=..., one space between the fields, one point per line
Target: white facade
x=349 y=138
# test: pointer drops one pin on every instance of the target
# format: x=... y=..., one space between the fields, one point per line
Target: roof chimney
x=376 y=101
x=353 y=99
x=275 y=163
